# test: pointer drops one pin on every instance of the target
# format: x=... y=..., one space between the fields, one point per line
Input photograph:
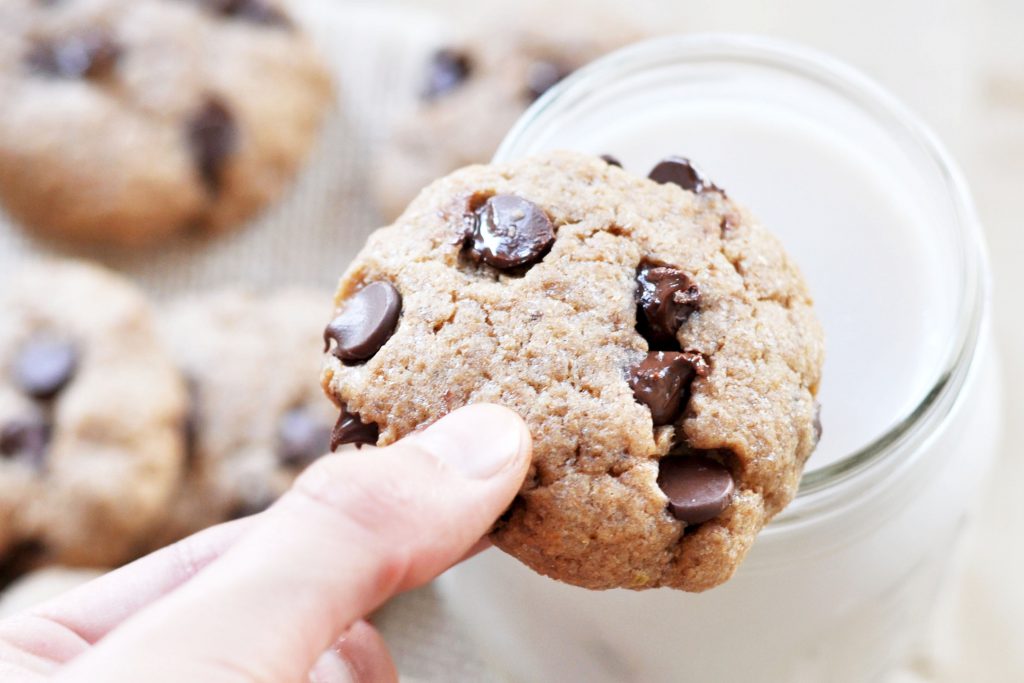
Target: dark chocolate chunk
x=301 y=438
x=256 y=11
x=212 y=137
x=45 y=366
x=351 y=429
x=26 y=440
x=679 y=171
x=610 y=160
x=509 y=231
x=88 y=55
x=662 y=382
x=667 y=297
x=447 y=70
x=698 y=488
x=366 y=321
x=542 y=75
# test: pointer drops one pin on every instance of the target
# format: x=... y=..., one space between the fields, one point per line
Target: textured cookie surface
x=257 y=415
x=561 y=339
x=473 y=90
x=126 y=121
x=90 y=418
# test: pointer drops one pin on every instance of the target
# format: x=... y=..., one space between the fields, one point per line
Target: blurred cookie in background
x=127 y=121
x=473 y=90
x=258 y=416
x=42 y=585
x=91 y=409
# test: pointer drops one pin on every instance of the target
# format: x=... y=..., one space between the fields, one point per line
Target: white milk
x=862 y=245
x=838 y=586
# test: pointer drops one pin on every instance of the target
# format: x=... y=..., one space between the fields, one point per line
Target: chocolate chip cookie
x=473 y=90
x=258 y=416
x=657 y=340
x=126 y=121
x=91 y=409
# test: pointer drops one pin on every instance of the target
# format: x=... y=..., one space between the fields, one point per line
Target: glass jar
x=872 y=208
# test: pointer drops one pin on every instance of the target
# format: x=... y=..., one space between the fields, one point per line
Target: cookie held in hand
x=657 y=340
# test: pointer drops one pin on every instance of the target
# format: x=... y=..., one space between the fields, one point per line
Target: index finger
x=64 y=627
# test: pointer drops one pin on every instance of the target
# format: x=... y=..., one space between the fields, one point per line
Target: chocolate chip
x=87 y=55
x=20 y=558
x=508 y=231
x=667 y=297
x=662 y=382
x=366 y=321
x=191 y=425
x=542 y=75
x=256 y=11
x=45 y=366
x=679 y=171
x=610 y=160
x=301 y=438
x=212 y=137
x=26 y=440
x=447 y=70
x=351 y=429
x=698 y=488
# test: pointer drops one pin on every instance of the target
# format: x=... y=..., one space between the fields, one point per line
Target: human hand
x=280 y=596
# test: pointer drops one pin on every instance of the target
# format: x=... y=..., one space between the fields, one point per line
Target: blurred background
x=958 y=63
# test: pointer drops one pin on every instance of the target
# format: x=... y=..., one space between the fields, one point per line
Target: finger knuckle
x=385 y=512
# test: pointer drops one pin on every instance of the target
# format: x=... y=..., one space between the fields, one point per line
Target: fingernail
x=478 y=441
x=331 y=668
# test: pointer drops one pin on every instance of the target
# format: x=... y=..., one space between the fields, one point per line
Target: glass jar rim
x=858 y=89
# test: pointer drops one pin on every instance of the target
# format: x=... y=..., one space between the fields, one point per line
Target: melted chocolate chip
x=365 y=322
x=44 y=367
x=543 y=75
x=301 y=438
x=88 y=55
x=26 y=440
x=447 y=70
x=698 y=488
x=256 y=11
x=351 y=429
x=662 y=382
x=667 y=297
x=679 y=171
x=508 y=231
x=610 y=160
x=212 y=137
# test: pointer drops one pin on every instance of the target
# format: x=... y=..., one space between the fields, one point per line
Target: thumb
x=355 y=529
